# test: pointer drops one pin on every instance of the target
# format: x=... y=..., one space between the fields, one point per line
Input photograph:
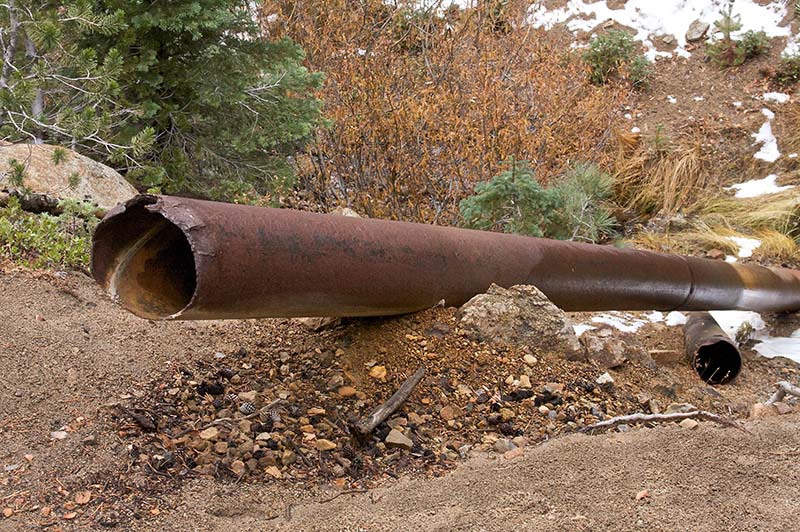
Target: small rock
x=273 y=471
x=318 y=324
x=58 y=435
x=529 y=360
x=689 y=424
x=682 y=408
x=761 y=410
x=7 y=512
x=221 y=447
x=503 y=445
x=347 y=391
x=395 y=438
x=288 y=457
x=622 y=427
x=248 y=396
x=378 y=372
x=544 y=410
x=524 y=381
x=415 y=419
x=513 y=453
x=783 y=408
x=325 y=445
x=506 y=414
x=553 y=388
x=211 y=433
x=450 y=412
x=668 y=39
x=697 y=30
x=605 y=378
x=716 y=254
x=316 y=411
x=238 y=467
x=644 y=494
x=654 y=406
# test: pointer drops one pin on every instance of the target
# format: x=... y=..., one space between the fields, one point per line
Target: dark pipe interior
x=717 y=362
x=151 y=270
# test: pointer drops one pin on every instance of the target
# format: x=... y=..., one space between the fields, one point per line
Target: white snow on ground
x=758 y=187
x=672 y=99
x=581 y=328
x=653 y=18
x=731 y=320
x=629 y=323
x=746 y=247
x=777 y=97
x=623 y=322
x=769 y=144
x=768 y=346
x=675 y=318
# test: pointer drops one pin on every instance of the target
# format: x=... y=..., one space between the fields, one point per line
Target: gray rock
x=504 y=445
x=520 y=315
x=395 y=438
x=697 y=30
x=611 y=351
x=97 y=182
x=676 y=408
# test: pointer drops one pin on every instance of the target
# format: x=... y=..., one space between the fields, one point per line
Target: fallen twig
x=677 y=416
x=345 y=492
x=382 y=413
x=783 y=389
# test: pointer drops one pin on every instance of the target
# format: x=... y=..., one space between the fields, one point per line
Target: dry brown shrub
x=424 y=106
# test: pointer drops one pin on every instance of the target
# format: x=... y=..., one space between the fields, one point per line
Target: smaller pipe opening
x=717 y=362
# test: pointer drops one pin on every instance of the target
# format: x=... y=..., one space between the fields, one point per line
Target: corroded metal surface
x=714 y=356
x=174 y=258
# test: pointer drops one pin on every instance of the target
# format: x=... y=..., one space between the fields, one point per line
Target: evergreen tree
x=187 y=96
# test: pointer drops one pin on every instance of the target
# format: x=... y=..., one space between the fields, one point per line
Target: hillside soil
x=101 y=412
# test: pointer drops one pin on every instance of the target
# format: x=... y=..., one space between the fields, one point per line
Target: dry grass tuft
x=778 y=212
x=661 y=181
x=776 y=246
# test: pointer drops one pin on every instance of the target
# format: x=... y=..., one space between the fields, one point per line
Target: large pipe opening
x=149 y=268
x=717 y=362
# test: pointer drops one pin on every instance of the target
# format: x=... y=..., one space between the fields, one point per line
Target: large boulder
x=74 y=176
x=520 y=315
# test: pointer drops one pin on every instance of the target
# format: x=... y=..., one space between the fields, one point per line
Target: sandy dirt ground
x=709 y=479
x=69 y=355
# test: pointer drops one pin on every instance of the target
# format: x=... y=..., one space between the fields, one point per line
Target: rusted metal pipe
x=173 y=258
x=712 y=354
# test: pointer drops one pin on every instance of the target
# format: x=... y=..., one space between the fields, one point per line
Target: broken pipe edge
x=144 y=257
x=712 y=354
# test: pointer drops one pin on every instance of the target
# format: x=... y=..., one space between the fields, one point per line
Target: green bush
x=727 y=51
x=788 y=71
x=514 y=202
x=614 y=55
x=754 y=43
x=42 y=240
x=584 y=191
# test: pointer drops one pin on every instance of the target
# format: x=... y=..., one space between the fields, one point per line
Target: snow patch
x=672 y=99
x=777 y=97
x=769 y=144
x=623 y=322
x=758 y=187
x=675 y=318
x=746 y=245
x=730 y=321
x=652 y=18
x=581 y=328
